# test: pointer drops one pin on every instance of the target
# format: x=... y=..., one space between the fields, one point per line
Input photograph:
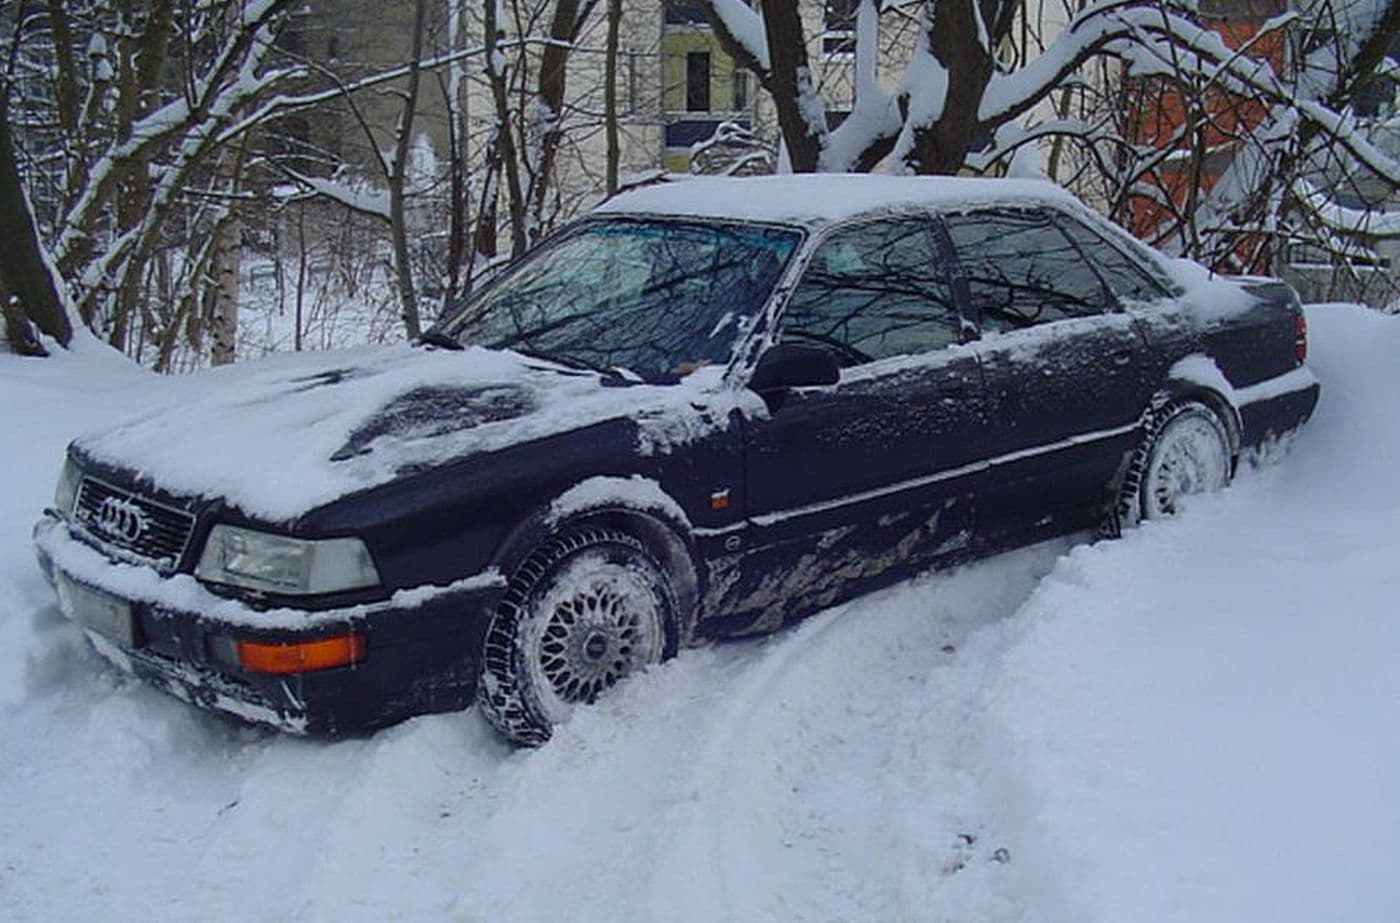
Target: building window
x=697 y=81
x=740 y=90
x=839 y=34
x=691 y=131
x=684 y=13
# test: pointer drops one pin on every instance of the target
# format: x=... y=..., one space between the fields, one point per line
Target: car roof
x=820 y=198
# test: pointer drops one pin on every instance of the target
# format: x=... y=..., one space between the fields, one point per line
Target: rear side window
x=873 y=291
x=1127 y=280
x=1022 y=270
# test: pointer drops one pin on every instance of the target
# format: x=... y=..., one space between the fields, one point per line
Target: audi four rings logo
x=120 y=519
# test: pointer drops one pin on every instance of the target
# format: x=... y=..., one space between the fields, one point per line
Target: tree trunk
x=398 y=227
x=503 y=139
x=547 y=120
x=610 y=95
x=485 y=246
x=227 y=256
x=27 y=287
x=955 y=39
x=790 y=83
x=459 y=204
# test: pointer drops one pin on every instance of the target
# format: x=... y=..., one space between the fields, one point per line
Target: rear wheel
x=1186 y=451
x=589 y=608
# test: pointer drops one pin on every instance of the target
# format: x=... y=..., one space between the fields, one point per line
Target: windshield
x=658 y=299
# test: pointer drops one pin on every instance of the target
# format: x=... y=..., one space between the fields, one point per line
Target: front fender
x=636 y=504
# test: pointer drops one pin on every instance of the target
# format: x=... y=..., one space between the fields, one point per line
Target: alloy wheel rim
x=1191 y=458
x=599 y=623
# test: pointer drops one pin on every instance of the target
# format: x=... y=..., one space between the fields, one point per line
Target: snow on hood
x=278 y=437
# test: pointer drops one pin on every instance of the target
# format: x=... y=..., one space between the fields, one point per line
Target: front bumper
x=422 y=646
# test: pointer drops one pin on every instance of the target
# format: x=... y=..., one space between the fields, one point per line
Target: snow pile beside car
x=1195 y=722
x=1200 y=719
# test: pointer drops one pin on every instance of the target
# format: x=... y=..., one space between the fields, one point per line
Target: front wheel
x=588 y=608
x=1186 y=452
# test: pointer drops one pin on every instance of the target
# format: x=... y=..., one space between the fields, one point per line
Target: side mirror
x=795 y=365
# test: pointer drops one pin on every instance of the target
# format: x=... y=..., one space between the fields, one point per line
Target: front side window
x=873 y=291
x=656 y=298
x=1022 y=270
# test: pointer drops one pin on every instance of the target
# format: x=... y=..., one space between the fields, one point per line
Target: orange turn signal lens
x=301 y=656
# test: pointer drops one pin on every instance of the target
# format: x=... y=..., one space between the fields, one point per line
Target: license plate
x=101 y=612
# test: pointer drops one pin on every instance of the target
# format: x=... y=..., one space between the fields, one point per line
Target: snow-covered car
x=705 y=409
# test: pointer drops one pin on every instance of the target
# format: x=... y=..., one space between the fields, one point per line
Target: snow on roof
x=821 y=197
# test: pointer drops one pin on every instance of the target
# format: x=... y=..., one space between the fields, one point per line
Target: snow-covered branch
x=744 y=30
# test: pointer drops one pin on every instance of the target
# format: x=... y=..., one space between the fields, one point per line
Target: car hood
x=279 y=437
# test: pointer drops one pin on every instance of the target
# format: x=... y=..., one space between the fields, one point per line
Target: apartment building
x=676 y=85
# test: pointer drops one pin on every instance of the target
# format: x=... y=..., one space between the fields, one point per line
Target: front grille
x=123 y=520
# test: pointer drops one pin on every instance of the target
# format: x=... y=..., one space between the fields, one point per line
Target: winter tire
x=1185 y=451
x=588 y=608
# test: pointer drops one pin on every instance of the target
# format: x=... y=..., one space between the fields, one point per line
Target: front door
x=871 y=477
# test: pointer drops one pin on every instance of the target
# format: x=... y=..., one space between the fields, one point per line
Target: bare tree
x=114 y=149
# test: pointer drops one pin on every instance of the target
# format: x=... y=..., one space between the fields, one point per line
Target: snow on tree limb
x=1145 y=33
x=925 y=85
x=744 y=27
x=873 y=126
x=233 y=80
x=283 y=104
x=1354 y=222
x=356 y=197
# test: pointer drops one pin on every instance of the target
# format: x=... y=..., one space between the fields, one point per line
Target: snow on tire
x=589 y=607
x=1185 y=450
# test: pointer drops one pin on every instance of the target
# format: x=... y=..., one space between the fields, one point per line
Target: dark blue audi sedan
x=705 y=409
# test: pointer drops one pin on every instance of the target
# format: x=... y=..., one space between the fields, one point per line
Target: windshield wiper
x=440 y=339
x=612 y=375
x=569 y=362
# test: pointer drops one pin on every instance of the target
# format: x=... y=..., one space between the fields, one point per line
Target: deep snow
x=1196 y=722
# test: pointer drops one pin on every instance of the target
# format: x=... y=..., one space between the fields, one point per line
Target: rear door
x=1064 y=369
x=876 y=472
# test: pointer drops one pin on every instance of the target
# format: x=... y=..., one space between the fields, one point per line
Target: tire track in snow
x=832 y=785
x=785 y=778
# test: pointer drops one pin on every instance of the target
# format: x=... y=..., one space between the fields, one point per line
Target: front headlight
x=281 y=564
x=65 y=494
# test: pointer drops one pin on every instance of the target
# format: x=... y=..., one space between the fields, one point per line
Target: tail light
x=1300 y=337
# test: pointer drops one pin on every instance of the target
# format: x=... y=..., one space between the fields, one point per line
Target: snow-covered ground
x=1197 y=722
